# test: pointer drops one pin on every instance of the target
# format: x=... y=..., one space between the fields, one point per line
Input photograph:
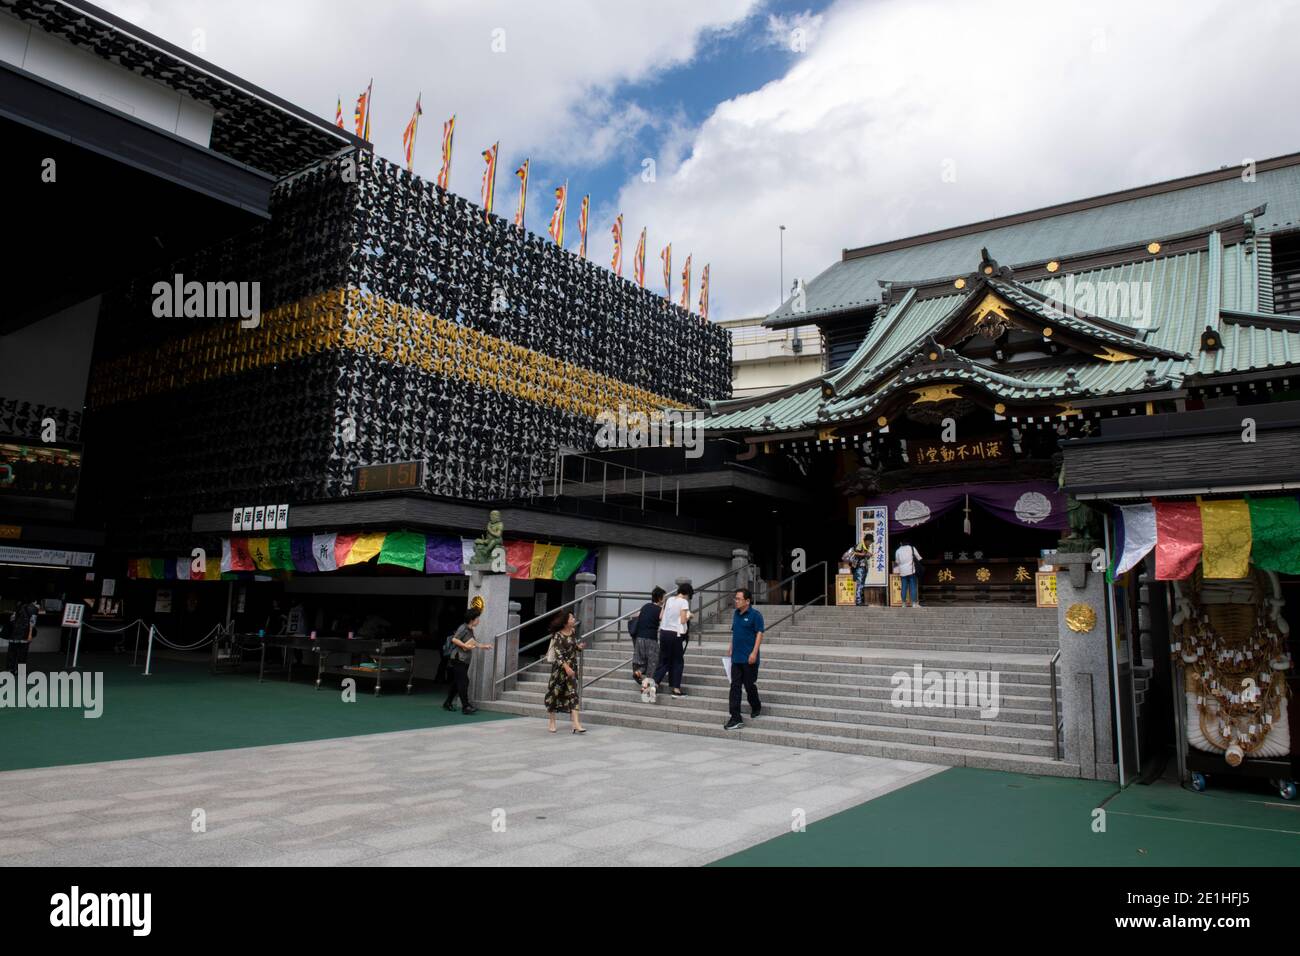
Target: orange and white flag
x=638 y=260
x=704 y=293
x=489 y=179
x=556 y=228
x=582 y=226
x=338 y=114
x=361 y=115
x=408 y=134
x=667 y=257
x=448 y=133
x=617 y=264
x=686 y=285
x=522 y=175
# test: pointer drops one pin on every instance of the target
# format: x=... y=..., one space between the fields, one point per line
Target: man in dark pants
x=746 y=638
x=21 y=634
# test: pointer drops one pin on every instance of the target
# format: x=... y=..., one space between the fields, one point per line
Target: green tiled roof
x=1181 y=287
x=854 y=283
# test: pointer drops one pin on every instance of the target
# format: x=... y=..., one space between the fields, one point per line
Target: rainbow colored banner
x=317 y=553
x=1226 y=537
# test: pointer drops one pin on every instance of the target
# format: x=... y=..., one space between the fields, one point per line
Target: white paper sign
x=281 y=517
x=726 y=666
x=259 y=517
x=237 y=520
x=72 y=612
x=108 y=587
x=248 y=519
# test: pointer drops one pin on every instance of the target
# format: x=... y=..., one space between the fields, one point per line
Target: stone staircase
x=828 y=682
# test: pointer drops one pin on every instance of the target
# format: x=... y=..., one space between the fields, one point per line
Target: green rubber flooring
x=182 y=708
x=965 y=817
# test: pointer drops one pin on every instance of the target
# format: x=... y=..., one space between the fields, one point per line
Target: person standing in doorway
x=562 y=690
x=463 y=645
x=672 y=638
x=907 y=565
x=21 y=634
x=746 y=638
x=645 y=637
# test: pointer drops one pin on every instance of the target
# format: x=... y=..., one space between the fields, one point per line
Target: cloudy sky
x=712 y=124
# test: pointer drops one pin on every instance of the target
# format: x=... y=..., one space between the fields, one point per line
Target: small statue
x=1083 y=526
x=486 y=548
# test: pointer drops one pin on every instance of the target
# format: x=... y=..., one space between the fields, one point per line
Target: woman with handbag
x=462 y=645
x=907 y=565
x=562 y=689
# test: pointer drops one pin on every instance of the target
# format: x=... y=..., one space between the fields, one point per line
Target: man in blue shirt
x=746 y=638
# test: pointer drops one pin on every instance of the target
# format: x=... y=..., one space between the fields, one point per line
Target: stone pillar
x=493 y=587
x=507 y=652
x=1084 y=670
x=585 y=612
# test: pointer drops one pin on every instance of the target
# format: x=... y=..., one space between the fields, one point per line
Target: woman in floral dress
x=562 y=691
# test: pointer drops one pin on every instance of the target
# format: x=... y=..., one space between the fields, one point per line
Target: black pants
x=746 y=674
x=459 y=682
x=17 y=655
x=672 y=657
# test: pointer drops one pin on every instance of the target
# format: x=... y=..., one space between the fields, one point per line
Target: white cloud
x=1031 y=104
x=549 y=92
x=794 y=33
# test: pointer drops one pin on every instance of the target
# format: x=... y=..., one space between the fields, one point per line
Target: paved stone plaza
x=617 y=796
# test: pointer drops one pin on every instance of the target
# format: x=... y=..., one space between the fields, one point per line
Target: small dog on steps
x=648 y=689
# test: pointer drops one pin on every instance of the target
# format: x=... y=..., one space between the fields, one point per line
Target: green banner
x=282 y=553
x=569 y=560
x=1275 y=534
x=403 y=548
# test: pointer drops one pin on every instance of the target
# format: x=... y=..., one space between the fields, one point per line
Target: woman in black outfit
x=463 y=644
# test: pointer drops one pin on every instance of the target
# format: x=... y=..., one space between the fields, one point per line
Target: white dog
x=648 y=689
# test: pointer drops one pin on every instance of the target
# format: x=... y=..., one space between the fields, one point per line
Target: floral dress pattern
x=562 y=691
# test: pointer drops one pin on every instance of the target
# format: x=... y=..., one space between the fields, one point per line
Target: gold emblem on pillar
x=1080 y=618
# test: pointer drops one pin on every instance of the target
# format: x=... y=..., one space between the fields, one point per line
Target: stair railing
x=1056 y=722
x=793 y=581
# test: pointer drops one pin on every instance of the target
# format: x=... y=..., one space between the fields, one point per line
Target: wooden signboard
x=1045 y=585
x=844 y=590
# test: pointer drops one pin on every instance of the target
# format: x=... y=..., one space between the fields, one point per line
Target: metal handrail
x=1056 y=729
x=748 y=570
x=793 y=610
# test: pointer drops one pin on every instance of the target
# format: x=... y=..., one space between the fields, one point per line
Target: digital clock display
x=394 y=476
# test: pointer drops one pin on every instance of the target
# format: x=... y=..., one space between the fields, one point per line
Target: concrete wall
x=634 y=569
x=48 y=361
x=81 y=71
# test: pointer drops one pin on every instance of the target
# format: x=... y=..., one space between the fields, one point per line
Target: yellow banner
x=366 y=547
x=259 y=549
x=544 y=558
x=1225 y=529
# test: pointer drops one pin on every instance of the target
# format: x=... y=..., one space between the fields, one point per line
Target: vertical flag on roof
x=489 y=179
x=667 y=257
x=582 y=226
x=686 y=284
x=556 y=228
x=338 y=114
x=408 y=134
x=704 y=293
x=522 y=175
x=617 y=263
x=638 y=260
x=448 y=132
x=1178 y=539
x=1135 y=536
x=1225 y=532
x=361 y=115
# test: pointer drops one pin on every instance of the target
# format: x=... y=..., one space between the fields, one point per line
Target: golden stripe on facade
x=350 y=319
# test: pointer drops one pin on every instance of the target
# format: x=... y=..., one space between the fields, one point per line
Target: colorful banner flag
x=404 y=549
x=183 y=569
x=448 y=133
x=582 y=226
x=323 y=547
x=443 y=555
x=366 y=546
x=282 y=553
x=408 y=134
x=617 y=263
x=686 y=284
x=240 y=560
x=556 y=229
x=1275 y=534
x=667 y=256
x=1178 y=539
x=544 y=557
x=225 y=555
x=168 y=569
x=212 y=571
x=259 y=549
x=704 y=293
x=638 y=261
x=1225 y=534
x=338 y=114
x=489 y=179
x=361 y=115
x=1135 y=536
x=522 y=175
x=304 y=559
x=519 y=555
x=568 y=562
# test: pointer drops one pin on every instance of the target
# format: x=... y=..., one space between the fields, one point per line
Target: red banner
x=1178 y=539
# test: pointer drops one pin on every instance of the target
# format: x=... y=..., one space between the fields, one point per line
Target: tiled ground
x=430 y=797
